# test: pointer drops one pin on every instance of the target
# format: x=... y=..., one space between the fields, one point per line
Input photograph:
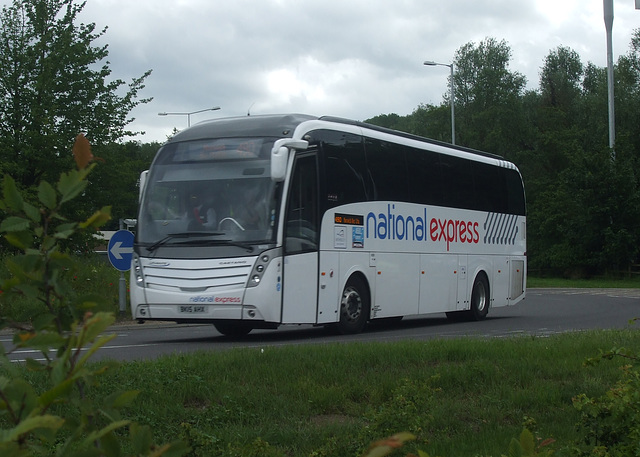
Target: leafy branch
x=62 y=420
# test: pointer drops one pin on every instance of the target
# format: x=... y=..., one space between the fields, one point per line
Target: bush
x=611 y=423
x=66 y=329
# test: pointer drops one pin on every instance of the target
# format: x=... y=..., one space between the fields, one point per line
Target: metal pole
x=215 y=108
x=608 y=22
x=453 y=118
x=122 y=286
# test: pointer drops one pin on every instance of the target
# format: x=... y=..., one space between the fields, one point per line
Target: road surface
x=544 y=312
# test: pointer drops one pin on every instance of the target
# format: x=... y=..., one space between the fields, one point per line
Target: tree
x=488 y=95
x=627 y=93
x=432 y=121
x=52 y=86
x=561 y=78
x=116 y=183
x=583 y=206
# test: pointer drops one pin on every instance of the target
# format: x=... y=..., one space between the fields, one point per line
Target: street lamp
x=431 y=63
x=608 y=23
x=215 y=108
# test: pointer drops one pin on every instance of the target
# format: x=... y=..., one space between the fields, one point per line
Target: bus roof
x=411 y=136
x=283 y=125
x=277 y=126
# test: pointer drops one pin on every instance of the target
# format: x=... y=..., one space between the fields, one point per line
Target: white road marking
x=33 y=351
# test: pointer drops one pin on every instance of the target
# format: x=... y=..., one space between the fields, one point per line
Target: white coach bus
x=260 y=221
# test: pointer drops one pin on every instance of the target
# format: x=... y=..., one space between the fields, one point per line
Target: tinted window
x=387 y=170
x=344 y=167
x=490 y=188
x=515 y=199
x=457 y=178
x=302 y=225
x=357 y=171
x=424 y=177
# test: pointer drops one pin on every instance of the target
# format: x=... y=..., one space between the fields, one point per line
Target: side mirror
x=279 y=159
x=280 y=156
x=143 y=182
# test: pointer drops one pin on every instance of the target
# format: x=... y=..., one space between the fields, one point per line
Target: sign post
x=120 y=252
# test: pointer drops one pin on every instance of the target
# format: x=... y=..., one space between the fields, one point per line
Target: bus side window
x=490 y=188
x=344 y=168
x=387 y=166
x=301 y=230
x=425 y=177
x=457 y=178
x=515 y=192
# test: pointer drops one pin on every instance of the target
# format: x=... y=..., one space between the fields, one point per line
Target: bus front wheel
x=479 y=298
x=354 y=306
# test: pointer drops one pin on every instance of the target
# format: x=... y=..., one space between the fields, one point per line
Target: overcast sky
x=348 y=58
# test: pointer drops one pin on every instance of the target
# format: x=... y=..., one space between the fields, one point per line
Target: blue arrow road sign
x=120 y=250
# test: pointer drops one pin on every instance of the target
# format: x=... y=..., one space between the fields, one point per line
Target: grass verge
x=460 y=397
x=596 y=282
x=93 y=274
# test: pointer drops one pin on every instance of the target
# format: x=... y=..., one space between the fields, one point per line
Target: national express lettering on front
x=416 y=226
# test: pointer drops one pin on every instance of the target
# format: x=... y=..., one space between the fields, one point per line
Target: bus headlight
x=261 y=266
x=137 y=271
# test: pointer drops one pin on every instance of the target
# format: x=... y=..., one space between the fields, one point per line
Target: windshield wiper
x=246 y=246
x=172 y=236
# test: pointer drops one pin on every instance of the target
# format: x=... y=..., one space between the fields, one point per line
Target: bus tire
x=354 y=306
x=232 y=329
x=479 y=306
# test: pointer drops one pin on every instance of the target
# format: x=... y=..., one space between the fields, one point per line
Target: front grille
x=197 y=276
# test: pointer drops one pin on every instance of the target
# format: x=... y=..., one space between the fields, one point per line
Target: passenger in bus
x=202 y=216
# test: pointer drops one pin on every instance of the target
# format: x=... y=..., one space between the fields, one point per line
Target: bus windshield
x=209 y=192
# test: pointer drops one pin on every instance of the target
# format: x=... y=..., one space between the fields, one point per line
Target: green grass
x=93 y=275
x=597 y=282
x=460 y=397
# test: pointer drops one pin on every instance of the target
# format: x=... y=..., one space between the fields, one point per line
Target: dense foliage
x=583 y=198
x=60 y=418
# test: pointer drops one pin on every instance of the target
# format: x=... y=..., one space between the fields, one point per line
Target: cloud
x=349 y=58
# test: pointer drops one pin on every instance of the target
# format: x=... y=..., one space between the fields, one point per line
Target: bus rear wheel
x=233 y=329
x=479 y=298
x=354 y=307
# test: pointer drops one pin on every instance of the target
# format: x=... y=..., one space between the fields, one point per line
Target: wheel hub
x=351 y=304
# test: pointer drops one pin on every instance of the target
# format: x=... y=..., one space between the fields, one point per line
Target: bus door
x=301 y=239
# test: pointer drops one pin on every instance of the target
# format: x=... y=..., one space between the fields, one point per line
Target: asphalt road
x=544 y=312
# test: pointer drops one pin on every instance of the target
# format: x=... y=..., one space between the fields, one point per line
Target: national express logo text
x=392 y=226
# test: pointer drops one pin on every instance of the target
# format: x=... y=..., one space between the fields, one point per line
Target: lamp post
x=215 y=108
x=431 y=63
x=608 y=23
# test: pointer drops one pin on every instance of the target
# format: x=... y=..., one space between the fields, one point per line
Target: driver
x=249 y=208
x=203 y=215
x=250 y=213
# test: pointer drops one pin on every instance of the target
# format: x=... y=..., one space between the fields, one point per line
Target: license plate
x=192 y=309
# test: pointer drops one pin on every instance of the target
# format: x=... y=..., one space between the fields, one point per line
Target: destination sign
x=348 y=219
